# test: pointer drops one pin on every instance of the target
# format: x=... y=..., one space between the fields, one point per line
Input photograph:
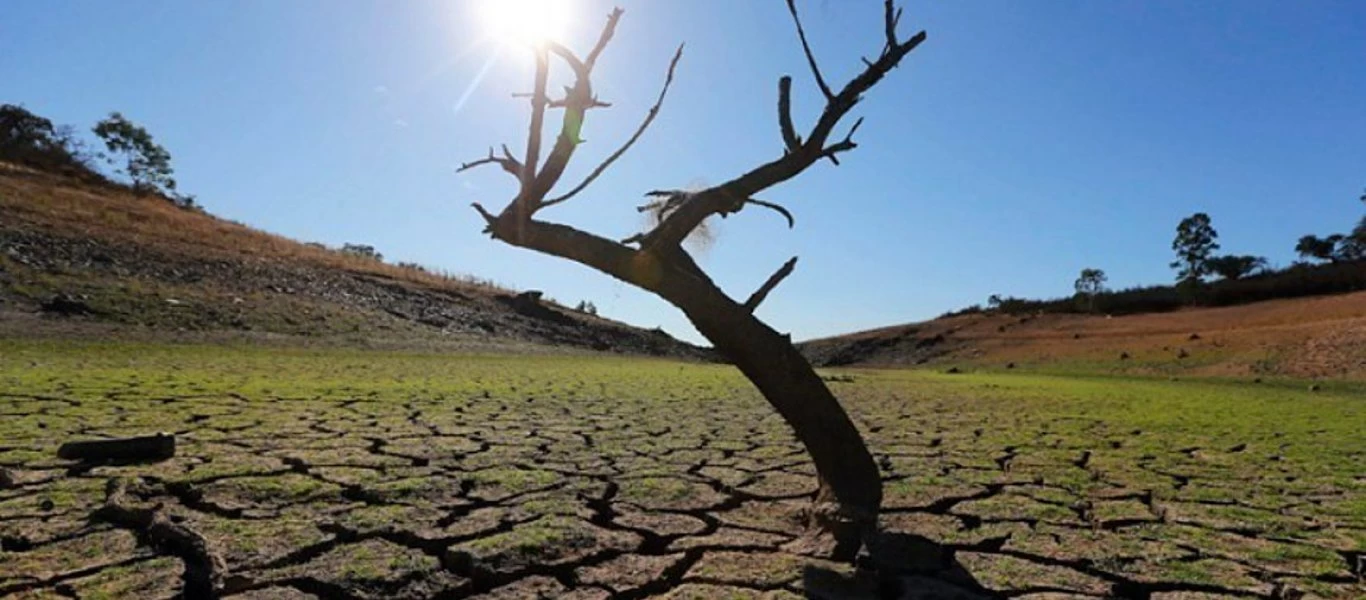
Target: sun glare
x=526 y=22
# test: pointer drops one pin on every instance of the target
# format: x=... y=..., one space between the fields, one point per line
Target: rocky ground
x=73 y=255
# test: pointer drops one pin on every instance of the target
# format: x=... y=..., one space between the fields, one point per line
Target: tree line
x=129 y=152
x=1330 y=264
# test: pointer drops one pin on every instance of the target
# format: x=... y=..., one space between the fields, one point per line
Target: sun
x=525 y=22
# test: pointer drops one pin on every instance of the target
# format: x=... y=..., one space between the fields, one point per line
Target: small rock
x=1181 y=353
x=1076 y=336
x=953 y=370
x=1282 y=591
x=1124 y=356
x=1314 y=387
x=66 y=305
x=1193 y=337
x=1257 y=380
x=174 y=302
x=1010 y=365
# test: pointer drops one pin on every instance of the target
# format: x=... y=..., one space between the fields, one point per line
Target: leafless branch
x=533 y=138
x=578 y=99
x=773 y=280
x=649 y=118
x=506 y=161
x=790 y=139
x=843 y=145
x=731 y=196
x=564 y=102
x=791 y=222
x=488 y=217
x=667 y=201
x=810 y=58
x=891 y=16
x=603 y=38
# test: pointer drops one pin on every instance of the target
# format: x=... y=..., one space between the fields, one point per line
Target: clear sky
x=1021 y=143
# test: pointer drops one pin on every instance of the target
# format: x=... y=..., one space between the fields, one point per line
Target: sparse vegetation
x=462 y=475
x=33 y=141
x=1194 y=245
x=134 y=154
x=364 y=251
x=1236 y=267
x=1089 y=285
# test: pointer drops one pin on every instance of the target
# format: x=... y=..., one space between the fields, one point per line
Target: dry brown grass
x=68 y=206
x=1322 y=336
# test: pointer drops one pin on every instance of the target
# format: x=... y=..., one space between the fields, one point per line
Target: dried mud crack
x=525 y=478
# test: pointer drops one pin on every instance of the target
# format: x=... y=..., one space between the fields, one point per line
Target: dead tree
x=850 y=489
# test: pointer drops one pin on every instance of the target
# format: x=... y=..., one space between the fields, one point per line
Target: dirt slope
x=79 y=258
x=1306 y=337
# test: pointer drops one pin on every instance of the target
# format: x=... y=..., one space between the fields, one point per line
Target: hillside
x=1321 y=336
x=80 y=257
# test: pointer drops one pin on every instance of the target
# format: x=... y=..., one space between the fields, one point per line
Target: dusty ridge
x=73 y=254
x=1305 y=337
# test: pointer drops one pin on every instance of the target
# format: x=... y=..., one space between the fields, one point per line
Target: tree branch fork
x=682 y=212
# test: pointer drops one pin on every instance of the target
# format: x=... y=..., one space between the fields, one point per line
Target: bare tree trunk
x=850 y=493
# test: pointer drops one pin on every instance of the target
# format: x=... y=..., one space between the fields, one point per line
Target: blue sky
x=1021 y=143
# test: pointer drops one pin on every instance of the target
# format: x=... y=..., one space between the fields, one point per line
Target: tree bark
x=850 y=492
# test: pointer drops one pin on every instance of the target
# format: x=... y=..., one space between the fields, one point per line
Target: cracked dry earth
x=382 y=476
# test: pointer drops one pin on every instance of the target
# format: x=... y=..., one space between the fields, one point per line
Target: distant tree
x=994 y=301
x=1236 y=267
x=362 y=250
x=23 y=130
x=143 y=161
x=1353 y=245
x=1337 y=247
x=1313 y=247
x=587 y=307
x=1089 y=285
x=1194 y=242
x=29 y=139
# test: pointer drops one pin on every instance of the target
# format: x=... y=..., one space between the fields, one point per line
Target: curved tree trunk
x=850 y=493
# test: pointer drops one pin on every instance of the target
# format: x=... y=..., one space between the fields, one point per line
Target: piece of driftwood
x=150 y=447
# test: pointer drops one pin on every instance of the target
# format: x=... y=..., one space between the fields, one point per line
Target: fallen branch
x=151 y=447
